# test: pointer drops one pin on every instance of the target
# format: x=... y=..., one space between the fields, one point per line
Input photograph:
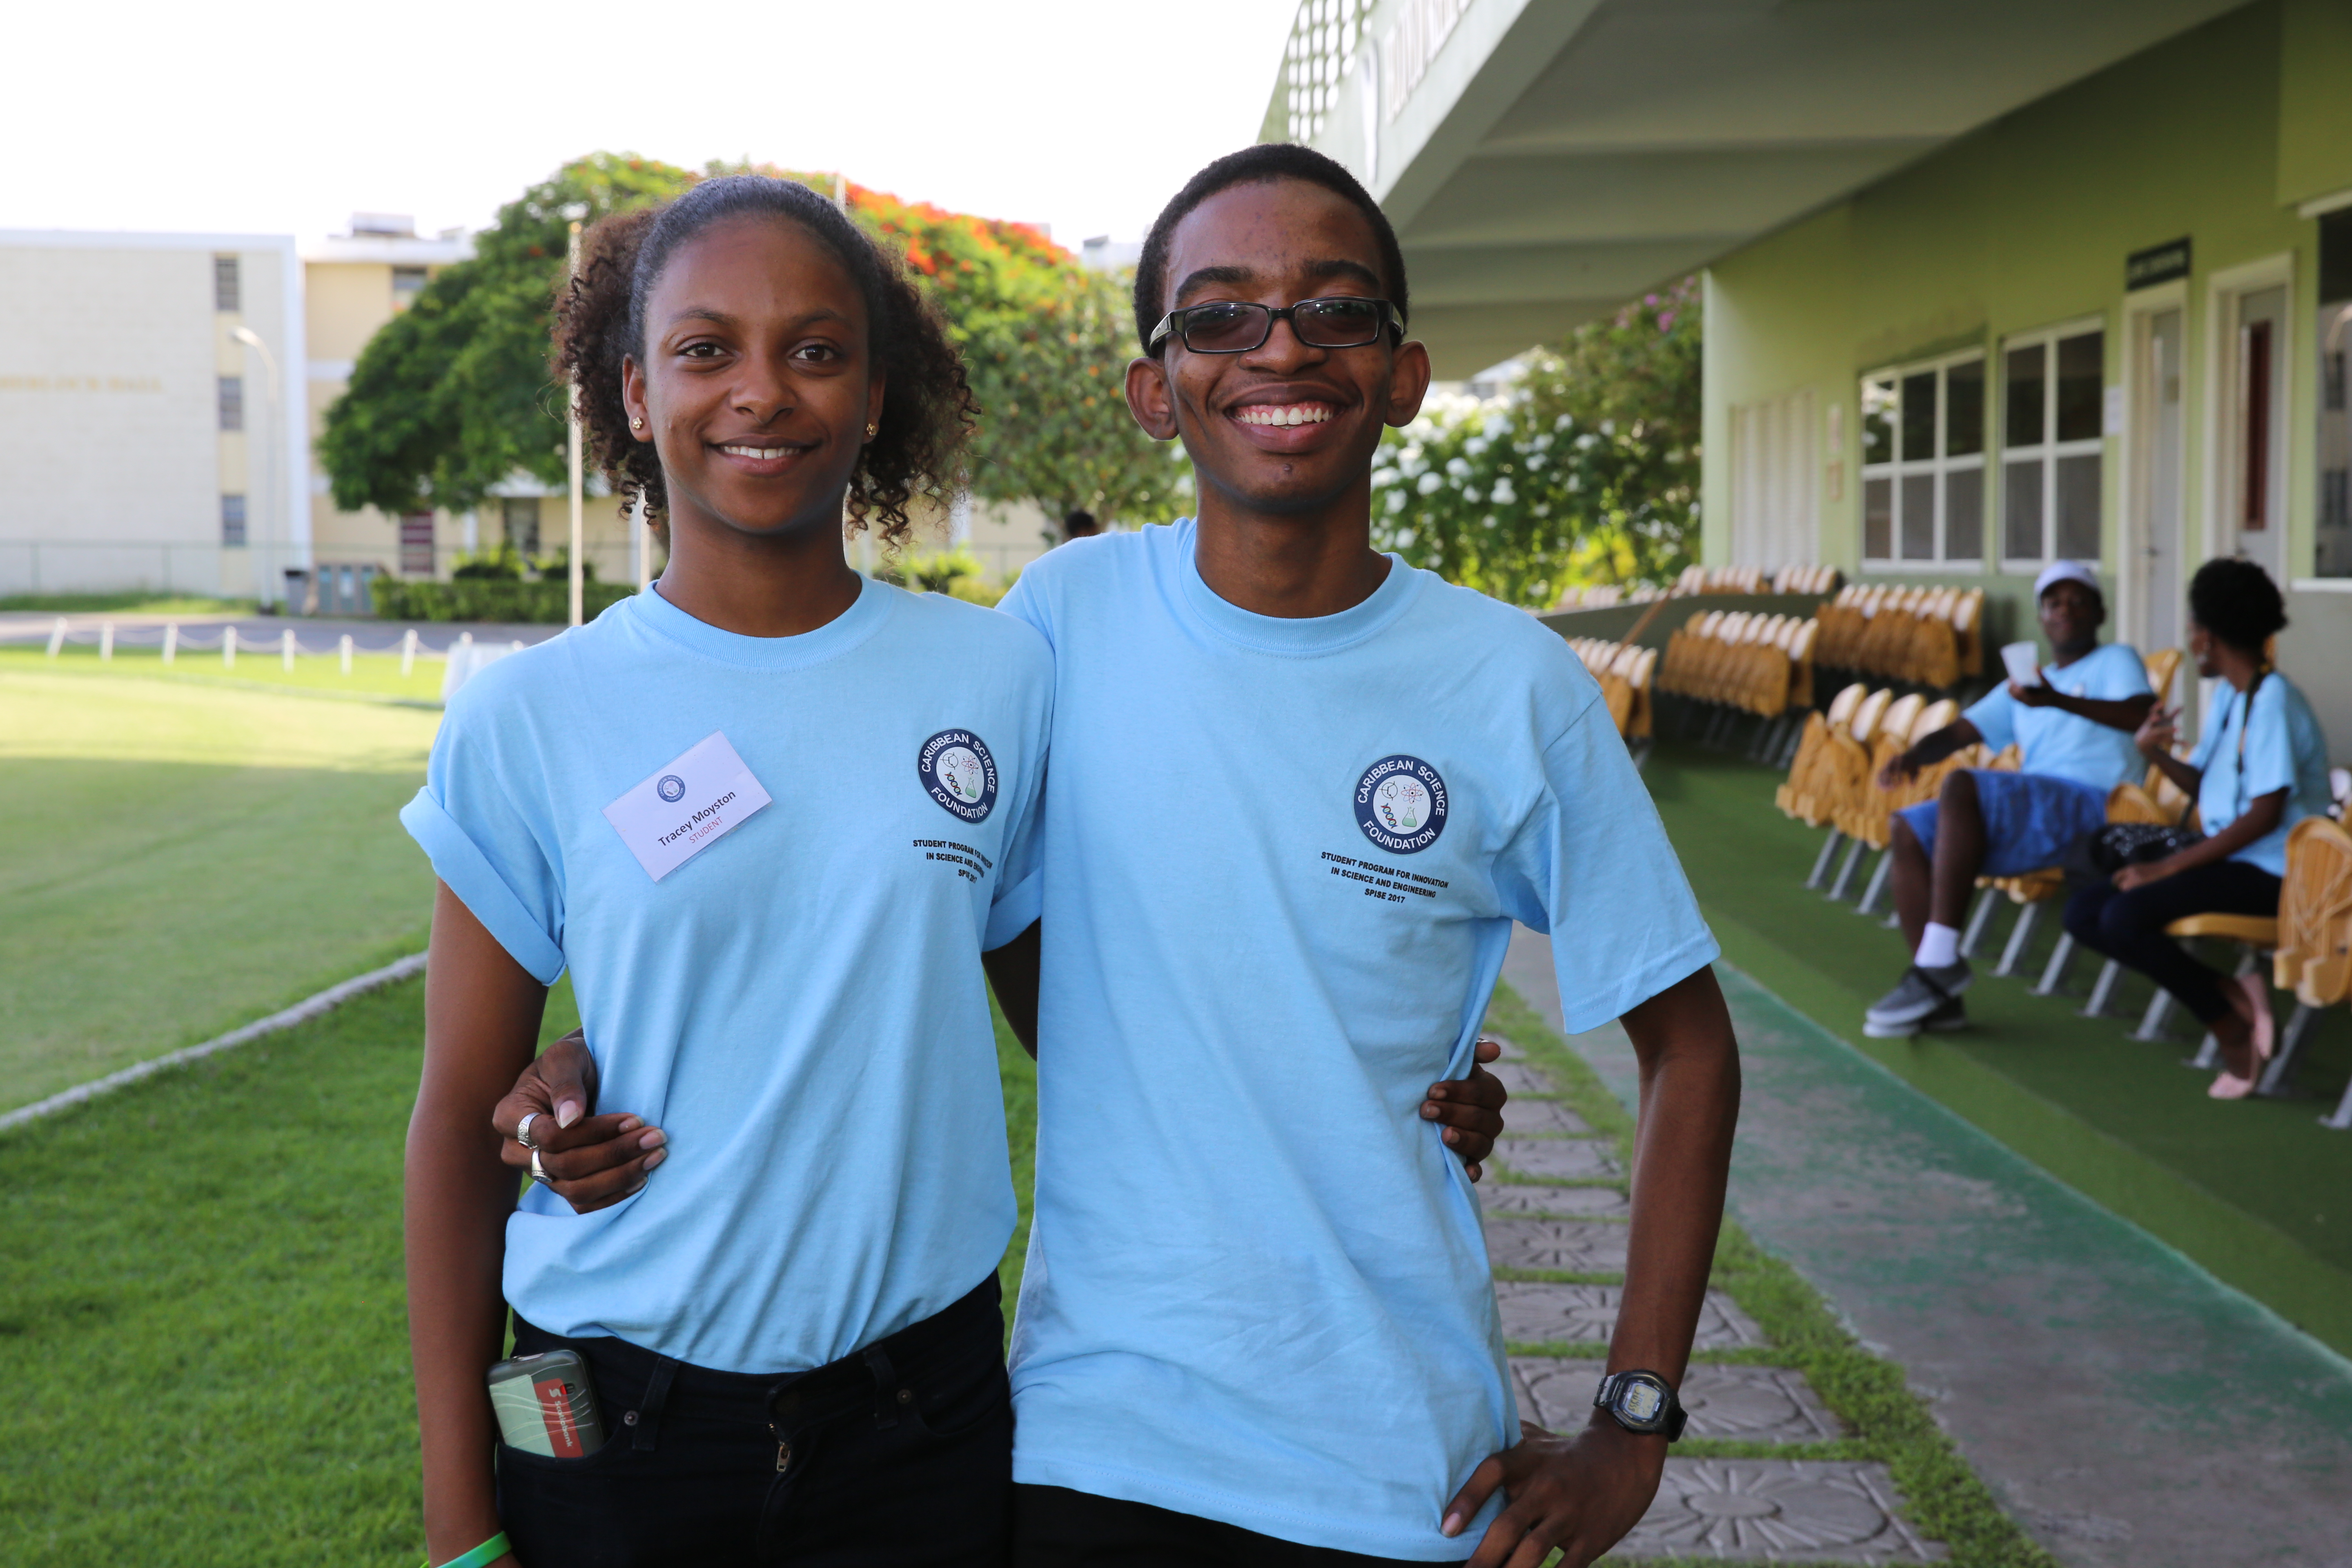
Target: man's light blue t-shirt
x=811 y=975
x=2284 y=749
x=1282 y=861
x=2066 y=744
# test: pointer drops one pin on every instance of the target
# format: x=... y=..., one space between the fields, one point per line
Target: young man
x=2074 y=727
x=1300 y=793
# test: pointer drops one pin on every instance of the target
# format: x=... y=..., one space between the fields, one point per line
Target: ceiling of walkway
x=1560 y=156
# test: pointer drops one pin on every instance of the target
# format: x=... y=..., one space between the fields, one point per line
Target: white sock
x=1939 y=947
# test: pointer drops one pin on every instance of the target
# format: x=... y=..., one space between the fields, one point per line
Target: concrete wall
x=2026 y=223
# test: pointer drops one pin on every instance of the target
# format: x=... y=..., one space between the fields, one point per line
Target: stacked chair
x=1927 y=637
x=1761 y=665
x=1603 y=595
x=1822 y=580
x=1869 y=820
x=2313 y=953
x=1626 y=673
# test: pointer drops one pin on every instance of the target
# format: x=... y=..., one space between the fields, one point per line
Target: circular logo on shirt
x=959 y=773
x=671 y=788
x=1401 y=804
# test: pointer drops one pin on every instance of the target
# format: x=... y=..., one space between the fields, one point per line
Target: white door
x=2152 y=536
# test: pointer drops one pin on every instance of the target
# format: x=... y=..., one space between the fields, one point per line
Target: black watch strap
x=1666 y=1417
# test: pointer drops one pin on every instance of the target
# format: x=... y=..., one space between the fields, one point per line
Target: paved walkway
x=2129 y=1409
x=318 y=634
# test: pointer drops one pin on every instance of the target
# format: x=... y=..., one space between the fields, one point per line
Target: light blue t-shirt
x=1282 y=861
x=811 y=976
x=2065 y=744
x=2284 y=749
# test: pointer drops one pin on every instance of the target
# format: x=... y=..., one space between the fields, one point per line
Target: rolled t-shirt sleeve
x=1593 y=866
x=489 y=851
x=1019 y=896
x=1995 y=716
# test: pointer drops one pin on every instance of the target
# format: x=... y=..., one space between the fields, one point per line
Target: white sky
x=261 y=116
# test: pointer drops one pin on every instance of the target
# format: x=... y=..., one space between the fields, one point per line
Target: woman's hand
x=591 y=1162
x=1471 y=1108
x=2157 y=734
x=2141 y=873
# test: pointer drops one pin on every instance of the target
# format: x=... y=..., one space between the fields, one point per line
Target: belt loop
x=885 y=1387
x=646 y=1417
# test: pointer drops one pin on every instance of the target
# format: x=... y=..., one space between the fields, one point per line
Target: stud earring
x=637 y=424
x=870 y=429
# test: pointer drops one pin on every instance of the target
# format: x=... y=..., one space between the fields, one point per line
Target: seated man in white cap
x=2074 y=727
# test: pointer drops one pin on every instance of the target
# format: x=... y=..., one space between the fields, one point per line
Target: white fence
x=464 y=658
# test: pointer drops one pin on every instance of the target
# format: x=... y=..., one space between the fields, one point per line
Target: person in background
x=2260 y=768
x=1079 y=523
x=2074 y=727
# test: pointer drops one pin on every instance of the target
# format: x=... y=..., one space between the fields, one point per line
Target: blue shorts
x=2031 y=820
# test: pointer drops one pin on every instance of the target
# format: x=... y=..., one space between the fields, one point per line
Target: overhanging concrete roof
x=1546 y=160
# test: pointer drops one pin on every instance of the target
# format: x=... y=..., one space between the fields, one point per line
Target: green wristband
x=481 y=1556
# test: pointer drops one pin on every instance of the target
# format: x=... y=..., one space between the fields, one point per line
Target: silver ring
x=539 y=1172
x=522 y=1129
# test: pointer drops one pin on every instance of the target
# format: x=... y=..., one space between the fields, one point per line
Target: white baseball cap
x=2066 y=572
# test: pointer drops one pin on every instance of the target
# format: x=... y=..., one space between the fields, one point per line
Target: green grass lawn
x=374 y=676
x=125 y=604
x=184 y=859
x=202 y=1326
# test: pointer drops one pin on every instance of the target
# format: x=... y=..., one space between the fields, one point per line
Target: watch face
x=1641 y=1402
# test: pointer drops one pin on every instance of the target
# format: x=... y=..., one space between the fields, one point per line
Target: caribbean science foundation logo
x=1401 y=804
x=959 y=771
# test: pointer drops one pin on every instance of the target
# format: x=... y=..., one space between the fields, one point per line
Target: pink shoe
x=2230 y=1086
x=2258 y=1011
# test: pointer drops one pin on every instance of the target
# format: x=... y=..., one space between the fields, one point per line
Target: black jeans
x=2129 y=926
x=1053 y=1527
x=896 y=1456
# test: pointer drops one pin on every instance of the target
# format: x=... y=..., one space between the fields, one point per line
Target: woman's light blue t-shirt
x=800 y=1004
x=2065 y=744
x=2284 y=749
x=1282 y=860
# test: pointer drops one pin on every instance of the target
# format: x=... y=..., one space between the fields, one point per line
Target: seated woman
x=2260 y=768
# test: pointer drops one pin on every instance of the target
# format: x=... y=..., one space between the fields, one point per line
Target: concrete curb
x=302 y=1012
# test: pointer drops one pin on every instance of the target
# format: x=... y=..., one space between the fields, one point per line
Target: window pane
x=1964 y=515
x=233 y=519
x=2078 y=507
x=232 y=402
x=2020 y=511
x=226 y=294
x=1877 y=421
x=1918 y=517
x=2023 y=427
x=1919 y=416
x=1964 y=409
x=1878 y=518
x=2081 y=365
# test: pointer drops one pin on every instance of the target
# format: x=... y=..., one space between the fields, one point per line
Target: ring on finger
x=539 y=1172
x=522 y=1129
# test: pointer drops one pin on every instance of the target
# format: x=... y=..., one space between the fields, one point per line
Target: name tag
x=687 y=805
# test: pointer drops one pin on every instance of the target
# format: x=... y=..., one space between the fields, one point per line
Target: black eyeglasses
x=1236 y=326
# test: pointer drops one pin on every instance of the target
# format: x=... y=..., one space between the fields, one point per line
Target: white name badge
x=687 y=805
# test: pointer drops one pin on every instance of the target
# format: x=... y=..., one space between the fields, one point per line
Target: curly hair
x=600 y=321
x=2234 y=599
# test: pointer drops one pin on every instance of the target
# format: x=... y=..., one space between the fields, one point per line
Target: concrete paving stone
x=1777 y=1510
x=1737 y=1403
x=1568 y=1158
x=1570 y=1246
x=1524 y=1117
x=1500 y=1198
x=1524 y=1077
x=1534 y=1312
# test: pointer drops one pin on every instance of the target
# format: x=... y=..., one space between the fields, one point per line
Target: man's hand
x=591 y=1162
x=2040 y=694
x=1900 y=770
x=1579 y=1494
x=1471 y=1108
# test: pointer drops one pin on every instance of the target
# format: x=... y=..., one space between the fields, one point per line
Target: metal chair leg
x=1877 y=883
x=2342 y=1121
x=2101 y=989
x=2208 y=1057
x=1821 y=861
x=1845 y=871
x=1980 y=917
x=2054 y=974
x=2020 y=934
x=2274 y=1081
x=2151 y=1023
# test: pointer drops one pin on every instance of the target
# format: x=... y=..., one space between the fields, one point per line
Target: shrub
x=491 y=599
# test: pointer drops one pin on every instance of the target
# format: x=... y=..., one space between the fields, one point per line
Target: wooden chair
x=2313 y=954
x=1796 y=796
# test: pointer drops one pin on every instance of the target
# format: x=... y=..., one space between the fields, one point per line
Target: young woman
x=2260 y=768
x=768 y=816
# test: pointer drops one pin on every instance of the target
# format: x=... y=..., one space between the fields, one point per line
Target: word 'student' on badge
x=1401 y=804
x=959 y=771
x=686 y=805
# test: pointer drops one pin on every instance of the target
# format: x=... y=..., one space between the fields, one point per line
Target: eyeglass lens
x=1237 y=327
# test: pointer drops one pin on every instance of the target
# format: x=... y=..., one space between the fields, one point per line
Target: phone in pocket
x=546 y=1404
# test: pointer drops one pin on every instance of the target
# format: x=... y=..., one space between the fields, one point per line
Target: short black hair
x=1254 y=165
x=2235 y=600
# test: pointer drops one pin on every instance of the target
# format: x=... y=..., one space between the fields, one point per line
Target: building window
x=232 y=402
x=521 y=523
x=1923 y=442
x=228 y=294
x=416 y=544
x=407 y=283
x=2333 y=556
x=2052 y=448
x=232 y=520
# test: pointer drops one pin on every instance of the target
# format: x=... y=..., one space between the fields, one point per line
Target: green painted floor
x=2256 y=1192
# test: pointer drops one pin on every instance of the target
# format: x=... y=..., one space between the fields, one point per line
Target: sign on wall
x=2156 y=264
